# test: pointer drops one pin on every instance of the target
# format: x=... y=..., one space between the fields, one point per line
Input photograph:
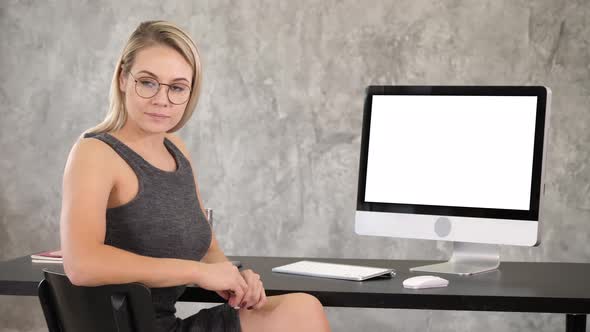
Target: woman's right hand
x=225 y=279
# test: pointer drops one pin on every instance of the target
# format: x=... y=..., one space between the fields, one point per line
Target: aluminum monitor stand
x=467 y=259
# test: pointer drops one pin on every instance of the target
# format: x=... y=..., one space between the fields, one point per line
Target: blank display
x=466 y=151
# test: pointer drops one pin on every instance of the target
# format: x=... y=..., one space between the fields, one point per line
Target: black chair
x=116 y=308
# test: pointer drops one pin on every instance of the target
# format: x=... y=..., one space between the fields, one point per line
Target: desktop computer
x=454 y=163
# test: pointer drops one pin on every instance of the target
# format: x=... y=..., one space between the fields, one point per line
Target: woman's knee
x=306 y=303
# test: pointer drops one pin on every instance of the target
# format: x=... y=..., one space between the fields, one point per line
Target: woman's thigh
x=290 y=312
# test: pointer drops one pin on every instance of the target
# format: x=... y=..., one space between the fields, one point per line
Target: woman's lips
x=157 y=116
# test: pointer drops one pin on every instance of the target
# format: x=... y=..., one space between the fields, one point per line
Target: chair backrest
x=116 y=308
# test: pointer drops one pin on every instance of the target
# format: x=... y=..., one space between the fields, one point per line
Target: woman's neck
x=139 y=138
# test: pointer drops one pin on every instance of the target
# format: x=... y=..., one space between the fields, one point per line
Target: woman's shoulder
x=90 y=145
x=88 y=150
x=90 y=169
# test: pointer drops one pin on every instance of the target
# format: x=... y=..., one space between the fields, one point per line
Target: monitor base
x=467 y=259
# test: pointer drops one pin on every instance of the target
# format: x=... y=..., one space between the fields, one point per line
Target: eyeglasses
x=147 y=87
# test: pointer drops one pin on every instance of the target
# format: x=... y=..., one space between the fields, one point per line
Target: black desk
x=517 y=287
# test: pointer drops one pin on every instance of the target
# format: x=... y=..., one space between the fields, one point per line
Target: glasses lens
x=179 y=93
x=146 y=87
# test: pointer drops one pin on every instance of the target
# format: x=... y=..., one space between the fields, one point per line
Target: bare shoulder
x=92 y=149
x=91 y=155
x=176 y=140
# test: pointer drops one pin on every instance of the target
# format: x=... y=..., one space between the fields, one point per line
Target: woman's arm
x=214 y=253
x=255 y=295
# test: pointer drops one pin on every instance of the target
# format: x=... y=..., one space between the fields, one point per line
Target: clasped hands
x=241 y=289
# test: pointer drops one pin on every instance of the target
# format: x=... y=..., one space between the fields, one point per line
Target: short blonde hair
x=148 y=34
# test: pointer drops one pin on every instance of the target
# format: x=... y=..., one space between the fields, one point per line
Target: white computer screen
x=465 y=151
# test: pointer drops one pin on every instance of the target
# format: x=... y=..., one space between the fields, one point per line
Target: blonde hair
x=148 y=34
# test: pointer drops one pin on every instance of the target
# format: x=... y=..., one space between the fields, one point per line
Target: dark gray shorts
x=221 y=318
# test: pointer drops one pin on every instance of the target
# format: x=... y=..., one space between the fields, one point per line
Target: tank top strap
x=134 y=160
x=184 y=163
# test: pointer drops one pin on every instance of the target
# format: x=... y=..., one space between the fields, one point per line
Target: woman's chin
x=153 y=128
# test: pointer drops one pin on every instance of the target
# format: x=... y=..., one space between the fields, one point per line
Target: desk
x=517 y=287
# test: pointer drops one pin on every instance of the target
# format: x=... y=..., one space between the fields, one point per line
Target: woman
x=131 y=209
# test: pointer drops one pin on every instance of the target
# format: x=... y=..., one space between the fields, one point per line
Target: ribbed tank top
x=164 y=220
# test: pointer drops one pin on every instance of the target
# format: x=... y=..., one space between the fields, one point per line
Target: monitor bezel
x=536 y=182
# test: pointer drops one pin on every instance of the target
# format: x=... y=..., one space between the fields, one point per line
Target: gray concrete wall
x=275 y=138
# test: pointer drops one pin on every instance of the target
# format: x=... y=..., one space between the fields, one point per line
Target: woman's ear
x=123 y=81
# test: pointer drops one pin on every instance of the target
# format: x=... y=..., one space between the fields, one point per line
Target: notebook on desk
x=333 y=271
x=52 y=256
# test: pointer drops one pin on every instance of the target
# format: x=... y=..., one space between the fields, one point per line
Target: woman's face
x=161 y=64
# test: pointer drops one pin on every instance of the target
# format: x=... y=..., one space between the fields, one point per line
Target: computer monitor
x=454 y=163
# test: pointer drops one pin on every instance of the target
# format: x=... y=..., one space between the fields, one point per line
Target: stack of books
x=53 y=256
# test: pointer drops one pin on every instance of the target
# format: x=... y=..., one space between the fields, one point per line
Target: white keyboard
x=335 y=271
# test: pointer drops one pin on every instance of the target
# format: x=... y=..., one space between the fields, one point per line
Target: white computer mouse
x=425 y=282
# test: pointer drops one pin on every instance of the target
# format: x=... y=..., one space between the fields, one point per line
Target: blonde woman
x=131 y=209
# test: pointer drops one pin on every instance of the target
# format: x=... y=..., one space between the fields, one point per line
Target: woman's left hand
x=255 y=296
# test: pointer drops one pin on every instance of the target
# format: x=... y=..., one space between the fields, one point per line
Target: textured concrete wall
x=275 y=138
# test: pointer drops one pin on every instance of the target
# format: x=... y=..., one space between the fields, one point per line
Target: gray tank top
x=164 y=220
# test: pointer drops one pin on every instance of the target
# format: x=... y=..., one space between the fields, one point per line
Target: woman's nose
x=161 y=96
